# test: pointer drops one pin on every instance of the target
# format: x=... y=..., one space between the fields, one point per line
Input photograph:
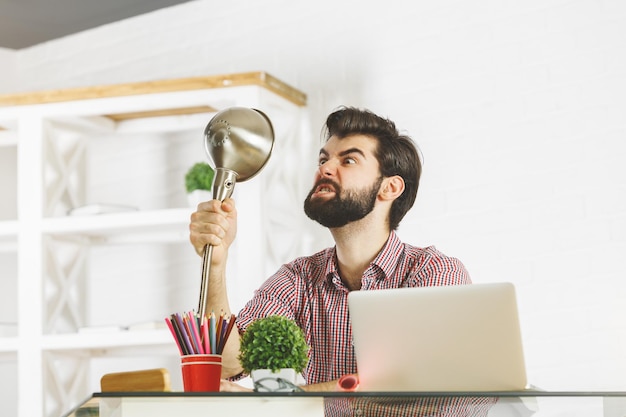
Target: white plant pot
x=270 y=381
x=198 y=196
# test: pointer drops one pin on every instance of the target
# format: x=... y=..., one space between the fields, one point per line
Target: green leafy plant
x=273 y=342
x=199 y=177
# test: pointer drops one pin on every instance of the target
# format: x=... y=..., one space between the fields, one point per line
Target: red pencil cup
x=201 y=373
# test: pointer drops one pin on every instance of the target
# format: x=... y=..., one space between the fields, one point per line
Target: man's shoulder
x=312 y=265
x=397 y=245
x=424 y=252
x=433 y=267
x=319 y=258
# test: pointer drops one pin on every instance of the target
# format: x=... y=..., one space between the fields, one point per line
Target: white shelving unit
x=8 y=265
x=73 y=286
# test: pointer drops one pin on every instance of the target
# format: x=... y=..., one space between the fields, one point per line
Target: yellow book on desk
x=136 y=381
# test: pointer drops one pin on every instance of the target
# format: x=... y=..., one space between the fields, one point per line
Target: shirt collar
x=386 y=260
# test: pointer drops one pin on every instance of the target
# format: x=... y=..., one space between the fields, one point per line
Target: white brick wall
x=518 y=107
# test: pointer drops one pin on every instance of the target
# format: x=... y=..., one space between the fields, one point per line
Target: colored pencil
x=205 y=335
x=183 y=332
x=228 y=328
x=191 y=334
x=212 y=332
x=196 y=332
x=179 y=335
x=170 y=326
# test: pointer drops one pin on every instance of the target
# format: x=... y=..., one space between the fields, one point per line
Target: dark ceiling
x=25 y=23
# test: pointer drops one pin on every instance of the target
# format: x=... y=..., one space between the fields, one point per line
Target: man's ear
x=391 y=188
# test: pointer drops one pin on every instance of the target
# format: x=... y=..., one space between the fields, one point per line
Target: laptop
x=448 y=338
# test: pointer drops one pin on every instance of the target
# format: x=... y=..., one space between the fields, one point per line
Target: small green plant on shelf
x=199 y=177
x=273 y=342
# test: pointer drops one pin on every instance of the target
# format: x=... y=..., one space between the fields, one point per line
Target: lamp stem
x=204 y=285
x=223 y=187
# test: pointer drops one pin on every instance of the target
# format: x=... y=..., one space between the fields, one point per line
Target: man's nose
x=326 y=169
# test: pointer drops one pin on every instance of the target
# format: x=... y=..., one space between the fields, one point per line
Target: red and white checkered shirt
x=310 y=291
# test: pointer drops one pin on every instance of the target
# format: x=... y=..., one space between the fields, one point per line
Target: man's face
x=346 y=183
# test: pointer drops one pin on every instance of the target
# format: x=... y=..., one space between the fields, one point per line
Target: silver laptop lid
x=450 y=338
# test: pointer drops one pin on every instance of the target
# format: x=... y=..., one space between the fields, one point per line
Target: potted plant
x=273 y=351
x=199 y=183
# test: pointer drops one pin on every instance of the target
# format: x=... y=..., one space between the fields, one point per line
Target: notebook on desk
x=450 y=338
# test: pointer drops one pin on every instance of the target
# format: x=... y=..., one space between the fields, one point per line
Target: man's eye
x=321 y=162
x=349 y=161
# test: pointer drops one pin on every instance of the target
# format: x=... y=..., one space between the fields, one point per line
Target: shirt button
x=358 y=412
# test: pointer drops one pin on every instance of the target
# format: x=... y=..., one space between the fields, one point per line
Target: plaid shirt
x=310 y=291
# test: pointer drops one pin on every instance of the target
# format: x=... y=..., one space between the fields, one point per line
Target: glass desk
x=357 y=404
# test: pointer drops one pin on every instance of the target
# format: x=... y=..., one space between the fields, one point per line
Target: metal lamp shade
x=238 y=142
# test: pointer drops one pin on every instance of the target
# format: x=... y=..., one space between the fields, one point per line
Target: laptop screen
x=449 y=338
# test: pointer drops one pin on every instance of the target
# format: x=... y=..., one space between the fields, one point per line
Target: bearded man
x=367 y=179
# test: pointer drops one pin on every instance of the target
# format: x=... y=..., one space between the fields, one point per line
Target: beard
x=341 y=209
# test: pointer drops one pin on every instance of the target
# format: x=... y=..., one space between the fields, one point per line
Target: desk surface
x=448 y=404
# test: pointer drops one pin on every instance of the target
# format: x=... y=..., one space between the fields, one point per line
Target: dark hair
x=396 y=153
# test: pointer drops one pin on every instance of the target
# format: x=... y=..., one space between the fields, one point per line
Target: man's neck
x=357 y=246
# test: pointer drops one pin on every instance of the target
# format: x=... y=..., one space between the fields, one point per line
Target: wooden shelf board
x=258 y=78
x=119 y=117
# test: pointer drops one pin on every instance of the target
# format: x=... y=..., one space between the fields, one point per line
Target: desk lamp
x=238 y=142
